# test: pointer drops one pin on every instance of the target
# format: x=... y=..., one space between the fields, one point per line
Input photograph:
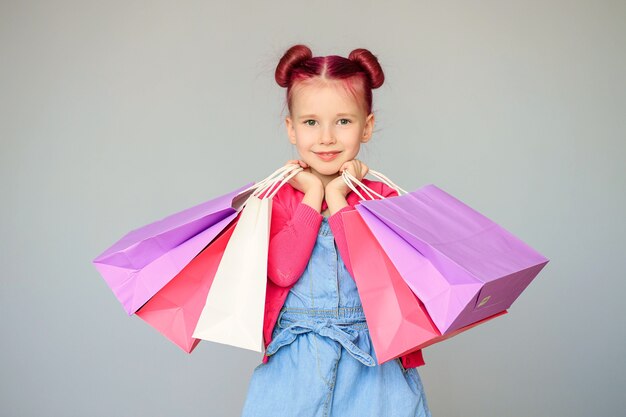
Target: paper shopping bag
x=234 y=309
x=175 y=309
x=147 y=258
x=397 y=320
x=476 y=268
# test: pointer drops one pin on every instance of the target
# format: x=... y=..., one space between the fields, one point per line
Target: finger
x=364 y=170
x=356 y=168
x=350 y=168
x=290 y=162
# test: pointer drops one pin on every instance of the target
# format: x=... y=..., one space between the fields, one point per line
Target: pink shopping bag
x=397 y=320
x=175 y=309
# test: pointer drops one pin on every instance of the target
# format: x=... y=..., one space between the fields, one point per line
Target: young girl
x=319 y=357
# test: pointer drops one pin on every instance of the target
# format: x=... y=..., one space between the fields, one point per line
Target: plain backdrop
x=114 y=114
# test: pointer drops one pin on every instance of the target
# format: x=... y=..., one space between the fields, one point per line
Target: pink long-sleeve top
x=293 y=232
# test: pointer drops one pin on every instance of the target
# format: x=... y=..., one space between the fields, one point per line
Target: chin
x=329 y=170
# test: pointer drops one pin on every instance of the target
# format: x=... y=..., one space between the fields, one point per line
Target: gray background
x=115 y=114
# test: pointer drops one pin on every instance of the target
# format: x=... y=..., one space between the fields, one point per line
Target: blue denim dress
x=322 y=362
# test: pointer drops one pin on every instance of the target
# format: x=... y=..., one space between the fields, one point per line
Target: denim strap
x=344 y=336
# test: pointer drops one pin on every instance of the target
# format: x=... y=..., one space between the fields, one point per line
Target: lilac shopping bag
x=145 y=259
x=463 y=266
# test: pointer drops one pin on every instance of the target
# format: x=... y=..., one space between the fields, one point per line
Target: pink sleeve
x=336 y=225
x=413 y=359
x=292 y=238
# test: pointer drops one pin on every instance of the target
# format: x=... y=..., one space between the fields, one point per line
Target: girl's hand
x=355 y=167
x=303 y=180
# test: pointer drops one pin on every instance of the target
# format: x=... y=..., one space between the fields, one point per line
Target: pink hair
x=359 y=73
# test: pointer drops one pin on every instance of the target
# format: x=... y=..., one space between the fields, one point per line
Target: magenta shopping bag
x=147 y=258
x=463 y=266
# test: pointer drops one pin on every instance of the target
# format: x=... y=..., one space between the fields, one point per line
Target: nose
x=328 y=136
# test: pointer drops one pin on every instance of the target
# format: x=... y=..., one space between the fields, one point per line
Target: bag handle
x=270 y=178
x=350 y=180
x=387 y=181
x=292 y=174
x=278 y=177
x=240 y=201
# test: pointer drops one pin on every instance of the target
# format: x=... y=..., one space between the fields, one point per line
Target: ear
x=291 y=132
x=368 y=128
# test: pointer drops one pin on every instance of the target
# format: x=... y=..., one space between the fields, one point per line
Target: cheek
x=305 y=136
x=350 y=138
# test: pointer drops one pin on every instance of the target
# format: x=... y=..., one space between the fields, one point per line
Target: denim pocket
x=401 y=366
x=411 y=377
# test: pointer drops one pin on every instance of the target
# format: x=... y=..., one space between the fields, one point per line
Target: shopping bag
x=397 y=320
x=234 y=309
x=175 y=309
x=145 y=259
x=481 y=268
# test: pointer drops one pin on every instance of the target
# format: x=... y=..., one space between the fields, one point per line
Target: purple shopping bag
x=462 y=266
x=147 y=258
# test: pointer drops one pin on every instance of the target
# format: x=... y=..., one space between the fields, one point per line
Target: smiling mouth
x=327 y=156
x=327 y=153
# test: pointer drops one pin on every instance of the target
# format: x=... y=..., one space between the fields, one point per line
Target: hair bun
x=291 y=59
x=370 y=64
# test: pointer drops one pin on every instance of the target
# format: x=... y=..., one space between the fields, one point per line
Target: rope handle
x=270 y=178
x=351 y=180
x=285 y=180
x=387 y=181
x=277 y=177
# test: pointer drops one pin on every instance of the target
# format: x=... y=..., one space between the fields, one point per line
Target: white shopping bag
x=235 y=306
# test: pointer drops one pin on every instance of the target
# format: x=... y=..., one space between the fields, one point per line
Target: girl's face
x=327 y=126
